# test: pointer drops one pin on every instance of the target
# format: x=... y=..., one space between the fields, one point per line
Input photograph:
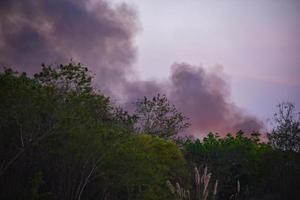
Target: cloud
x=101 y=35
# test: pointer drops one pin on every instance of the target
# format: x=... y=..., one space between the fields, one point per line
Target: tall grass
x=201 y=187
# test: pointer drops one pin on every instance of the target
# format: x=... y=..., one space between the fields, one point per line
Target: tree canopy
x=67 y=141
x=60 y=138
x=157 y=116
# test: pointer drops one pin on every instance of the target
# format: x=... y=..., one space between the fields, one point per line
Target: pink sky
x=257 y=43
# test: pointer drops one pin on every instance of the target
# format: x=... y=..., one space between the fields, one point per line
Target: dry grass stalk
x=180 y=193
x=171 y=187
x=201 y=187
x=202 y=184
x=236 y=195
x=215 y=188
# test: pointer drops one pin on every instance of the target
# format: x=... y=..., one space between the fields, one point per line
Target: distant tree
x=157 y=116
x=233 y=158
x=72 y=77
x=286 y=134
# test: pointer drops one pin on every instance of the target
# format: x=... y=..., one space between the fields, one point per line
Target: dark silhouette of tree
x=61 y=139
x=73 y=77
x=286 y=134
x=157 y=116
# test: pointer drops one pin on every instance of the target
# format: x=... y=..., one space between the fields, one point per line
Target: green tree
x=232 y=159
x=28 y=116
x=62 y=139
x=157 y=116
x=137 y=168
x=46 y=119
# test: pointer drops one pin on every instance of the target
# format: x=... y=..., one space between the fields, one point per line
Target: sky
x=225 y=64
x=256 y=42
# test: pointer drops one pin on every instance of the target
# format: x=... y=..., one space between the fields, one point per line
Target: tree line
x=60 y=138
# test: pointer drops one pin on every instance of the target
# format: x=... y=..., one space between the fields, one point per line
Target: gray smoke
x=100 y=35
x=55 y=31
x=204 y=97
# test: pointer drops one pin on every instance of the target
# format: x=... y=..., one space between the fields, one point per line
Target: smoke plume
x=204 y=97
x=95 y=33
x=100 y=35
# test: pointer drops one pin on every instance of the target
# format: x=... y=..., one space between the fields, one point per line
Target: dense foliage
x=62 y=139
x=263 y=173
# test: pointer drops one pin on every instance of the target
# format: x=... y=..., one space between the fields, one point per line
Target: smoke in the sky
x=54 y=31
x=205 y=98
x=101 y=35
x=202 y=96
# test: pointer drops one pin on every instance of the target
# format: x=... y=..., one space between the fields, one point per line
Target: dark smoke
x=204 y=98
x=133 y=90
x=55 y=31
x=100 y=35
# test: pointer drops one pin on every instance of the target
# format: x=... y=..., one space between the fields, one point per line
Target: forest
x=62 y=139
